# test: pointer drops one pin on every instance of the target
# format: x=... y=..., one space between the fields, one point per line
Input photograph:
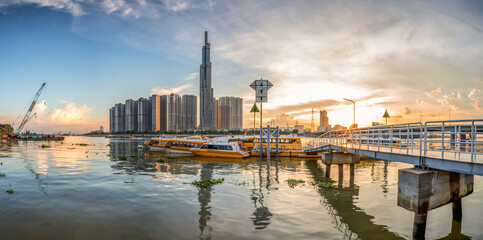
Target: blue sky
x=420 y=59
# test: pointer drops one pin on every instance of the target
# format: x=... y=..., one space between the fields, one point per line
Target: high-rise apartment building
x=111 y=120
x=155 y=112
x=207 y=99
x=144 y=115
x=131 y=122
x=119 y=117
x=189 y=110
x=229 y=112
x=159 y=112
x=175 y=121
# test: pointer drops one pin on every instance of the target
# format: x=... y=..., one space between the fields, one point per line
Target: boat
x=175 y=145
x=288 y=146
x=220 y=149
x=127 y=137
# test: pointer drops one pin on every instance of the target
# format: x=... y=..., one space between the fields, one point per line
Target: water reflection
x=204 y=198
x=261 y=216
x=347 y=217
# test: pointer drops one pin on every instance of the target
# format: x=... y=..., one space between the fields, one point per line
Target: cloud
x=167 y=91
x=407 y=111
x=433 y=93
x=474 y=97
x=69 y=113
x=72 y=6
x=192 y=76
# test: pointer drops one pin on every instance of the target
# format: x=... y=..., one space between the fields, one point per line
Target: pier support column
x=419 y=226
x=352 y=169
x=327 y=171
x=423 y=190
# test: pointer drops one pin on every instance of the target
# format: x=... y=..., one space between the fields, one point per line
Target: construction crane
x=27 y=116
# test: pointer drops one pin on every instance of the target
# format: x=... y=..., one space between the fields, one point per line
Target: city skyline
x=421 y=61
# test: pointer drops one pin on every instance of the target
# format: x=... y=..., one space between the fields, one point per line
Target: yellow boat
x=174 y=145
x=288 y=146
x=222 y=150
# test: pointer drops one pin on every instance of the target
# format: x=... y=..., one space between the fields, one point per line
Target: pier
x=446 y=155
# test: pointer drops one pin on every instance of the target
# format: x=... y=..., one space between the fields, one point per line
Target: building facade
x=111 y=120
x=144 y=115
x=207 y=99
x=119 y=117
x=324 y=122
x=175 y=120
x=131 y=122
x=189 y=112
x=229 y=112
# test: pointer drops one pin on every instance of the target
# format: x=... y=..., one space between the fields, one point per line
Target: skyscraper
x=324 y=122
x=131 y=122
x=207 y=106
x=189 y=110
x=175 y=120
x=144 y=115
x=119 y=117
x=159 y=111
x=112 y=120
x=229 y=113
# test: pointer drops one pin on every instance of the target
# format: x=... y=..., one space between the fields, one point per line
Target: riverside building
x=175 y=120
x=229 y=113
x=190 y=112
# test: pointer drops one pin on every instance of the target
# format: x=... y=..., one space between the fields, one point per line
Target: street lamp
x=353 y=102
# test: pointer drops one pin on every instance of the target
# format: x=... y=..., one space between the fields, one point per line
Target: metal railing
x=460 y=140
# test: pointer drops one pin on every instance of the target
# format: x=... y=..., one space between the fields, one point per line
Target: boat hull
x=280 y=154
x=219 y=154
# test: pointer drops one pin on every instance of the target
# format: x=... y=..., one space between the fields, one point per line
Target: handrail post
x=442 y=140
x=473 y=133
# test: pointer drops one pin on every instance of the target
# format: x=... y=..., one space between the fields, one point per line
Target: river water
x=72 y=191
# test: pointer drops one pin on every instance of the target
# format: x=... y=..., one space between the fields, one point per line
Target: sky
x=422 y=60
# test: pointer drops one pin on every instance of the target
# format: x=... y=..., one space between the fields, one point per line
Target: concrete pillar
x=340 y=158
x=423 y=190
x=341 y=174
x=419 y=227
x=327 y=170
x=351 y=170
x=457 y=210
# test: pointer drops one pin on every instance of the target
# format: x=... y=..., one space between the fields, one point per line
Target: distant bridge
x=454 y=145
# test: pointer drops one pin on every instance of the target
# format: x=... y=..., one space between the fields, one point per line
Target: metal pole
x=268 y=142
x=354 y=121
x=261 y=133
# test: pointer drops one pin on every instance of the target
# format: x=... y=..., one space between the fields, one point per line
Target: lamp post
x=353 y=102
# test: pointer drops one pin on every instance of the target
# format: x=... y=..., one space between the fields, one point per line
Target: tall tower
x=207 y=106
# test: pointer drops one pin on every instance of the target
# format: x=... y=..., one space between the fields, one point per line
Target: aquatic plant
x=325 y=184
x=10 y=191
x=294 y=182
x=161 y=160
x=82 y=144
x=172 y=157
x=3 y=174
x=109 y=145
x=45 y=146
x=207 y=182
x=123 y=158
